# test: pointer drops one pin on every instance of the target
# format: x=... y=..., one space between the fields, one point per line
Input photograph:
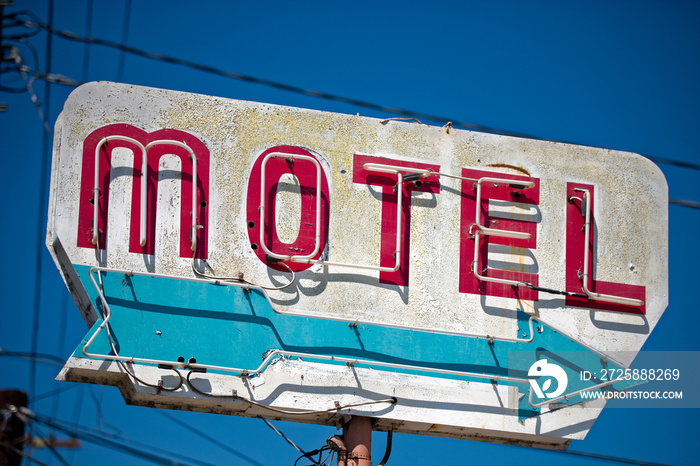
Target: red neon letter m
x=161 y=142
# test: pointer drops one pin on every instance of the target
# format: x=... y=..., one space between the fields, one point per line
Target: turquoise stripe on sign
x=167 y=318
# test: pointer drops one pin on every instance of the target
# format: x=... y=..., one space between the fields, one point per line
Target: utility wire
x=38 y=357
x=208 y=438
x=612 y=459
x=16 y=57
x=22 y=453
x=12 y=22
x=60 y=346
x=284 y=436
x=58 y=391
x=252 y=79
x=59 y=79
x=677 y=163
x=99 y=416
x=54 y=360
x=122 y=439
x=50 y=77
x=304 y=454
x=307 y=92
x=684 y=203
x=102 y=440
x=41 y=211
x=45 y=440
x=36 y=102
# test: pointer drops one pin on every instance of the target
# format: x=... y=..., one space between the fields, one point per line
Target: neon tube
x=585 y=277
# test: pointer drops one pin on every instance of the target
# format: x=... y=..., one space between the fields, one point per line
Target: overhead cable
x=685 y=203
x=22 y=453
x=47 y=442
x=121 y=439
x=58 y=391
x=677 y=163
x=104 y=441
x=266 y=82
x=43 y=358
x=612 y=459
x=281 y=434
x=208 y=437
x=410 y=114
x=43 y=195
x=413 y=115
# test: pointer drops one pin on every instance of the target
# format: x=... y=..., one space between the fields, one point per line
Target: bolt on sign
x=260 y=260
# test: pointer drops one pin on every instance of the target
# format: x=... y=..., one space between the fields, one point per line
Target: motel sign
x=260 y=260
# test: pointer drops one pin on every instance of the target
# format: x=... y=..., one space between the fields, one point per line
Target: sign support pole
x=357 y=435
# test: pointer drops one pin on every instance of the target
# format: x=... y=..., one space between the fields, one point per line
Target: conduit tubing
x=586 y=205
x=483 y=230
x=96 y=189
x=144 y=170
x=493 y=231
x=317 y=235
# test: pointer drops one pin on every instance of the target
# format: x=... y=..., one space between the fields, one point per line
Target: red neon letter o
x=305 y=172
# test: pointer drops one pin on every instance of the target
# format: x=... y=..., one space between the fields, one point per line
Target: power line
x=209 y=438
x=59 y=79
x=307 y=92
x=60 y=346
x=612 y=459
x=677 y=163
x=58 y=391
x=41 y=211
x=101 y=440
x=684 y=203
x=100 y=418
x=266 y=82
x=43 y=358
x=44 y=439
x=37 y=103
x=281 y=434
x=23 y=454
x=50 y=77
x=122 y=439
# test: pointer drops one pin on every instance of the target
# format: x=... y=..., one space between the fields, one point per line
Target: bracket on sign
x=585 y=276
x=144 y=169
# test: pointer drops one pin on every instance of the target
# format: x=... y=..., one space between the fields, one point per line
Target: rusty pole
x=357 y=435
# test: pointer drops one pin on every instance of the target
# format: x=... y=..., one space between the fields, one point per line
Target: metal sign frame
x=423 y=277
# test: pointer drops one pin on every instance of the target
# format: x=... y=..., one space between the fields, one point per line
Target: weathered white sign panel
x=249 y=256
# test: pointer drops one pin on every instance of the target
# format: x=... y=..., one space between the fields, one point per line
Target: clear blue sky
x=620 y=75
